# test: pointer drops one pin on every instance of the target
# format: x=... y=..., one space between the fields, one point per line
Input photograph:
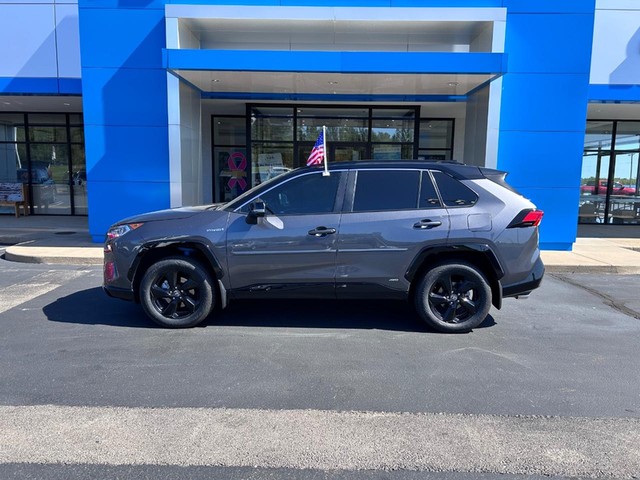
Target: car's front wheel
x=453 y=297
x=177 y=292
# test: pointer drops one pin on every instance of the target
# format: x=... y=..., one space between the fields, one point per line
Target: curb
x=22 y=255
x=610 y=269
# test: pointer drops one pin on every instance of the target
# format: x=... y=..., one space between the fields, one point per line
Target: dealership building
x=109 y=108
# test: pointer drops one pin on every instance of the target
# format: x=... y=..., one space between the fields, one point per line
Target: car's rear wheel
x=177 y=292
x=453 y=297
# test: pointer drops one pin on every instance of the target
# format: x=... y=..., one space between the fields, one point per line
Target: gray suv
x=451 y=238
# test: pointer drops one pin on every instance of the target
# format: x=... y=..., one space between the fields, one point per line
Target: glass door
x=624 y=202
x=593 y=191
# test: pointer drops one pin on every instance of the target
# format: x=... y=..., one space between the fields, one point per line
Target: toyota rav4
x=453 y=239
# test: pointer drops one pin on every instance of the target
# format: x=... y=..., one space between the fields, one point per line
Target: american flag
x=317 y=153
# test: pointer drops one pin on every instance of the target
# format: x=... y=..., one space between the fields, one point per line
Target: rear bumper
x=121 y=293
x=532 y=282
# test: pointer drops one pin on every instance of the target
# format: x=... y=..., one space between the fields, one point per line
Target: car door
x=291 y=251
x=390 y=216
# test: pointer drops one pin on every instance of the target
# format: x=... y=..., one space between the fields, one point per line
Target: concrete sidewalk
x=66 y=240
x=48 y=239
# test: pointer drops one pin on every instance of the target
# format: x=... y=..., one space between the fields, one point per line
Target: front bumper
x=525 y=287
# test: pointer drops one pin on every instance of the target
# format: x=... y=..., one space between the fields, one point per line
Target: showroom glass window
x=275 y=138
x=46 y=152
x=609 y=181
x=436 y=139
x=230 y=163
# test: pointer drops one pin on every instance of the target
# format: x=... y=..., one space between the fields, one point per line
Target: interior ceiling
x=213 y=30
x=614 y=111
x=332 y=83
x=40 y=103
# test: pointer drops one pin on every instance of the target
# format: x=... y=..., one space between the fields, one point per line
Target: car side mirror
x=257 y=209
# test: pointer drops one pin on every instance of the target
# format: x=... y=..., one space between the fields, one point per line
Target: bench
x=620 y=215
x=15 y=195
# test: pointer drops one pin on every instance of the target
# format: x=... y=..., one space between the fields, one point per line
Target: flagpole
x=324 y=145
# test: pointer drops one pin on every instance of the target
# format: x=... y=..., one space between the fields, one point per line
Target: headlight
x=119 y=230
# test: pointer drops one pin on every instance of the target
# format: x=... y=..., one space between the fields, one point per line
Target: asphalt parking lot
x=568 y=353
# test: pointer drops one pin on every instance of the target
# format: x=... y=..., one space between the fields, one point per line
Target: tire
x=177 y=292
x=453 y=297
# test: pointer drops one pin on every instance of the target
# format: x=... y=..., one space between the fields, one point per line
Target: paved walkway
x=66 y=240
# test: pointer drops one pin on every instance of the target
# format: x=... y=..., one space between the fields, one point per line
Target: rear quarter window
x=453 y=192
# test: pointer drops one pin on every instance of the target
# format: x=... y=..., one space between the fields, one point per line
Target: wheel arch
x=480 y=256
x=153 y=252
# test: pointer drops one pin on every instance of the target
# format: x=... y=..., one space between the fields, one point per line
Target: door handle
x=426 y=224
x=321 y=231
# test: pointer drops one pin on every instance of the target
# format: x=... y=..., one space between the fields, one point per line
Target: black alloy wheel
x=453 y=297
x=177 y=292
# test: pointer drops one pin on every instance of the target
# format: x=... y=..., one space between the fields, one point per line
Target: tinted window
x=428 y=196
x=304 y=195
x=386 y=190
x=453 y=192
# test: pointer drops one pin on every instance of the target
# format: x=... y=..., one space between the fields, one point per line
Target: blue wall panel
x=614 y=93
x=554 y=43
x=550 y=6
x=340 y=62
x=123 y=4
x=339 y=3
x=125 y=111
x=529 y=107
x=125 y=96
x=544 y=107
x=112 y=201
x=542 y=158
x=143 y=147
x=40 y=86
x=134 y=39
x=28 y=85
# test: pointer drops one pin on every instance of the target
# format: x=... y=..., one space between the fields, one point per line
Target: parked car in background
x=617 y=189
x=452 y=239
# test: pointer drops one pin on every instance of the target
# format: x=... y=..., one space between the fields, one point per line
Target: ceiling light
x=332 y=83
x=453 y=84
x=7 y=103
x=66 y=104
x=215 y=80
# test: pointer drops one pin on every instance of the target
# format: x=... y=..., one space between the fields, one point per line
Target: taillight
x=527 y=218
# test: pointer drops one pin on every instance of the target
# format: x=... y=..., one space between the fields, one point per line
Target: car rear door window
x=379 y=190
x=453 y=192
